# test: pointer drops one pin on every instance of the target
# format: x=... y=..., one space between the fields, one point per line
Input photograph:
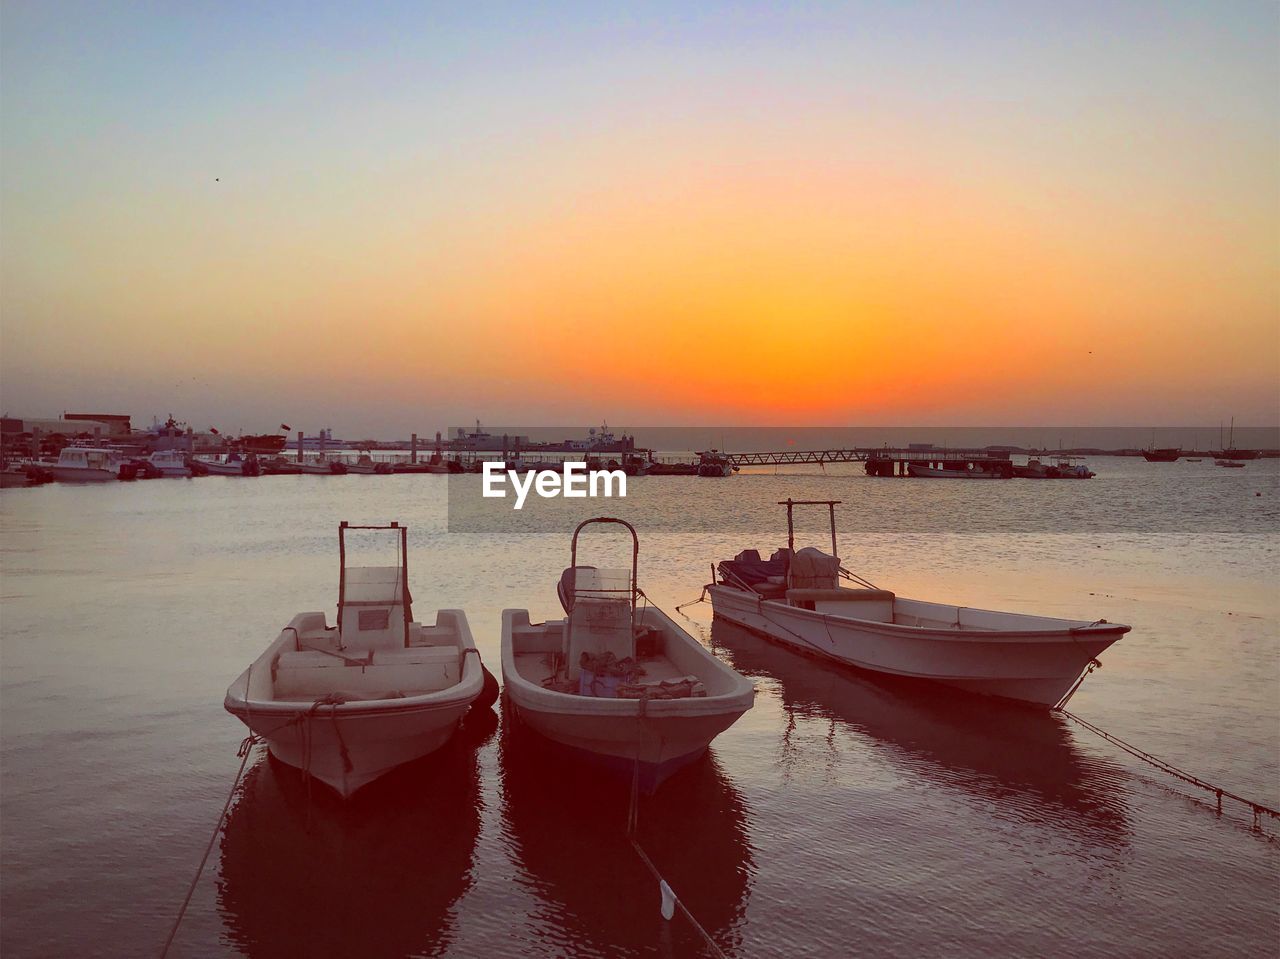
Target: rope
x=1061 y=704
x=633 y=822
x=694 y=602
x=1258 y=808
x=244 y=752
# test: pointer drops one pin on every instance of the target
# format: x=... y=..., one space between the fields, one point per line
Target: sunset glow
x=738 y=217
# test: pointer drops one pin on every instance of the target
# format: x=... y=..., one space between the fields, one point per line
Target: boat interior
x=606 y=647
x=813 y=580
x=375 y=651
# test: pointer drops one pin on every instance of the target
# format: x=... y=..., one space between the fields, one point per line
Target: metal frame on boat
x=622 y=686
x=801 y=599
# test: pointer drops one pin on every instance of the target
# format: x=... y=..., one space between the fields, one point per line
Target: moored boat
x=802 y=599
x=714 y=463
x=170 y=463
x=1162 y=455
x=1071 y=467
x=279 y=466
x=78 y=464
x=1034 y=469
x=368 y=466
x=321 y=467
x=19 y=474
x=1229 y=451
x=1229 y=463
x=233 y=465
x=957 y=470
x=350 y=702
x=623 y=687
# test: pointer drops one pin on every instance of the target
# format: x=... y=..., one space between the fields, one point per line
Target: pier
x=880 y=461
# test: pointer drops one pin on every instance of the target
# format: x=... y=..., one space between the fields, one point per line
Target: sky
x=385 y=217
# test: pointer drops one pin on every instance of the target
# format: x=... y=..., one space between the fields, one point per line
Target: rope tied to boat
x=333 y=700
x=244 y=751
x=669 y=900
x=1258 y=809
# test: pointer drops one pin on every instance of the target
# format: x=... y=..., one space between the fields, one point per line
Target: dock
x=880 y=461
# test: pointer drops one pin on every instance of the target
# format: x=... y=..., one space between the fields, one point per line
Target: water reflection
x=378 y=875
x=565 y=826
x=1016 y=762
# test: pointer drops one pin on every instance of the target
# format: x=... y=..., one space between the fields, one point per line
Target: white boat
x=170 y=463
x=90 y=465
x=620 y=686
x=321 y=467
x=233 y=464
x=367 y=465
x=799 y=599
x=961 y=471
x=1071 y=467
x=350 y=702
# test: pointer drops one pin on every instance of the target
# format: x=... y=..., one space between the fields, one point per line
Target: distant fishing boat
x=616 y=684
x=800 y=599
x=366 y=464
x=713 y=463
x=17 y=474
x=170 y=463
x=1229 y=452
x=350 y=702
x=279 y=466
x=1034 y=469
x=233 y=464
x=261 y=443
x=1166 y=454
x=322 y=467
x=1230 y=464
x=1072 y=467
x=1194 y=459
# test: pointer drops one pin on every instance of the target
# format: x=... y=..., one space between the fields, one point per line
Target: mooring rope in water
x=667 y=894
x=244 y=752
x=1258 y=808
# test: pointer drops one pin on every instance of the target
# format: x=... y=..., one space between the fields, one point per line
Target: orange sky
x=714 y=227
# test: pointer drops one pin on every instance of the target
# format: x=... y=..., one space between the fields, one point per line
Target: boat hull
x=68 y=474
x=1033 y=666
x=659 y=736
x=374 y=743
x=348 y=745
x=929 y=472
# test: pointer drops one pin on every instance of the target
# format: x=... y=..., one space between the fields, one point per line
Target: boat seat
x=770 y=590
x=875 y=605
x=309 y=674
x=307 y=659
x=415 y=655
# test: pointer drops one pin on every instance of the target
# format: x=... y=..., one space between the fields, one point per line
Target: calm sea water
x=841 y=816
